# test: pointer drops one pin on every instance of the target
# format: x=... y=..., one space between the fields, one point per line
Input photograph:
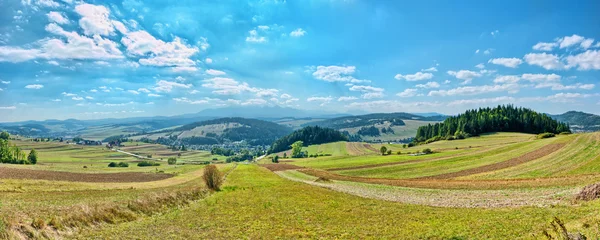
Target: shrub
x=215 y=159
x=276 y=159
x=147 y=164
x=212 y=177
x=427 y=151
x=545 y=135
x=32 y=158
x=123 y=164
x=172 y=161
x=149 y=156
x=398 y=152
x=112 y=164
x=383 y=150
x=389 y=152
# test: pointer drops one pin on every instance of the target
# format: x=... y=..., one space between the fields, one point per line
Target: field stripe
x=530 y=156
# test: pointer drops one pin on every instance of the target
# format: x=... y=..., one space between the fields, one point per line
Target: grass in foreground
x=256 y=203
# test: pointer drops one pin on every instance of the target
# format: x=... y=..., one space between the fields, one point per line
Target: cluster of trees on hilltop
x=499 y=119
x=369 y=131
x=309 y=136
x=14 y=154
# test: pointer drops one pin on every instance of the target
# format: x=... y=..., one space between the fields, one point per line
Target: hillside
x=579 y=121
x=309 y=136
x=485 y=120
x=378 y=126
x=220 y=131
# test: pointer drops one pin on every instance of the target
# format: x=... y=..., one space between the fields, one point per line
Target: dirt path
x=15 y=173
x=463 y=184
x=530 y=156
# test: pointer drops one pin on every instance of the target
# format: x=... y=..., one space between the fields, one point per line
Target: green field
x=496 y=186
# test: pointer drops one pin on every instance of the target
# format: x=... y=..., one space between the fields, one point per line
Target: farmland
x=498 y=186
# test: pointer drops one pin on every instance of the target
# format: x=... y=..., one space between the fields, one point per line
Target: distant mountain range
x=580 y=121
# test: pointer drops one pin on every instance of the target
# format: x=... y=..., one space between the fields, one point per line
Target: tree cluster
x=505 y=118
x=12 y=154
x=309 y=136
x=369 y=131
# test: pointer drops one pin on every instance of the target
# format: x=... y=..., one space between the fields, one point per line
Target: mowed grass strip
x=257 y=204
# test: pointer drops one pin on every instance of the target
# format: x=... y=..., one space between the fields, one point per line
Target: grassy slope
x=257 y=203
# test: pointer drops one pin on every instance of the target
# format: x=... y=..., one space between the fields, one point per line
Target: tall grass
x=212 y=177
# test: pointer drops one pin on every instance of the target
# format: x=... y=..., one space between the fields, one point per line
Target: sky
x=64 y=59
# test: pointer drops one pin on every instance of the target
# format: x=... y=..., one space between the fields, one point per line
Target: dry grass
x=212 y=177
x=589 y=192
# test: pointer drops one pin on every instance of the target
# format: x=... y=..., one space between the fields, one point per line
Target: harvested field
x=463 y=184
x=280 y=167
x=368 y=146
x=546 y=150
x=15 y=173
x=589 y=193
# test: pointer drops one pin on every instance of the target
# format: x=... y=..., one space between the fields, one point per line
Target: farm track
x=463 y=184
x=15 y=173
x=541 y=152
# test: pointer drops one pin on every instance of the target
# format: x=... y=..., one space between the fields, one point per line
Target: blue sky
x=102 y=59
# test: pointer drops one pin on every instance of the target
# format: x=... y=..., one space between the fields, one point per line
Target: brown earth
x=589 y=193
x=368 y=146
x=463 y=184
x=15 y=173
x=355 y=149
x=530 y=156
x=280 y=166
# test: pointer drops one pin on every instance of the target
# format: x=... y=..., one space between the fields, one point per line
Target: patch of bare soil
x=530 y=156
x=462 y=184
x=280 y=167
x=15 y=173
x=589 y=192
x=368 y=146
x=284 y=161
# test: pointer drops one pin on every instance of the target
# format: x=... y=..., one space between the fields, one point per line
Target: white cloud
x=229 y=86
x=208 y=60
x=543 y=46
x=569 y=41
x=488 y=51
x=344 y=99
x=5 y=82
x=55 y=63
x=547 y=61
x=133 y=92
x=371 y=95
x=144 y=90
x=558 y=86
x=588 y=60
x=254 y=37
x=475 y=90
x=431 y=69
x=166 y=86
x=77 y=98
x=507 y=79
x=254 y=101
x=94 y=19
x=414 y=77
x=428 y=85
x=298 y=33
x=185 y=100
x=557 y=98
x=537 y=78
x=159 y=53
x=285 y=96
x=184 y=69
x=361 y=88
x=477 y=51
x=154 y=95
x=34 y=86
x=215 y=72
x=507 y=62
x=68 y=94
x=8 y=108
x=267 y=93
x=447 y=81
x=57 y=100
x=494 y=33
x=89 y=98
x=480 y=66
x=465 y=75
x=319 y=99
x=336 y=74
x=481 y=101
x=57 y=17
x=409 y=92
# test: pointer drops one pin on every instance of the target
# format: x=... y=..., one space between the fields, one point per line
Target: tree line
x=13 y=154
x=504 y=118
x=308 y=136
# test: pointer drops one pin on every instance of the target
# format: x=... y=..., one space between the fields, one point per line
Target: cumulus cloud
x=159 y=53
x=409 y=92
x=253 y=37
x=371 y=95
x=133 y=92
x=558 y=86
x=144 y=90
x=57 y=17
x=480 y=66
x=344 y=99
x=8 y=108
x=214 y=72
x=208 y=60
x=544 y=46
x=336 y=74
x=185 y=100
x=507 y=79
x=5 y=82
x=94 y=19
x=537 y=78
x=319 y=99
x=465 y=75
x=154 y=95
x=507 y=62
x=481 y=101
x=588 y=60
x=298 y=32
x=34 y=86
x=545 y=60
x=361 y=88
x=428 y=85
x=414 y=77
x=431 y=69
x=166 y=86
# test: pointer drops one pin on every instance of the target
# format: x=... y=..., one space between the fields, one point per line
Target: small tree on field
x=212 y=177
x=32 y=158
x=383 y=150
x=389 y=152
x=297 y=149
x=284 y=155
x=398 y=152
x=276 y=159
x=427 y=151
x=172 y=161
x=4 y=135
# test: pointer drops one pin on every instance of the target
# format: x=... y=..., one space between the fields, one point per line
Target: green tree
x=276 y=159
x=172 y=161
x=32 y=157
x=4 y=135
x=383 y=150
x=297 y=149
x=284 y=155
x=389 y=152
x=427 y=151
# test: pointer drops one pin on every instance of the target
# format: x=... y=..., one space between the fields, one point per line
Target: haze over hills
x=579 y=121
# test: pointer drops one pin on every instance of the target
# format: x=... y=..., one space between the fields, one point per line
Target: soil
x=15 y=173
x=368 y=146
x=280 y=167
x=541 y=152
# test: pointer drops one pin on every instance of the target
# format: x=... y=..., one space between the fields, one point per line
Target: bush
x=389 y=152
x=123 y=164
x=112 y=164
x=545 y=135
x=398 y=152
x=427 y=151
x=215 y=159
x=148 y=164
x=172 y=161
x=276 y=159
x=212 y=177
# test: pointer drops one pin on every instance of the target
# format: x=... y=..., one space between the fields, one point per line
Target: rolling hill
x=220 y=131
x=579 y=121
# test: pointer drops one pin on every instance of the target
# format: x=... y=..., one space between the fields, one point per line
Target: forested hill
x=371 y=119
x=309 y=135
x=580 y=121
x=500 y=119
